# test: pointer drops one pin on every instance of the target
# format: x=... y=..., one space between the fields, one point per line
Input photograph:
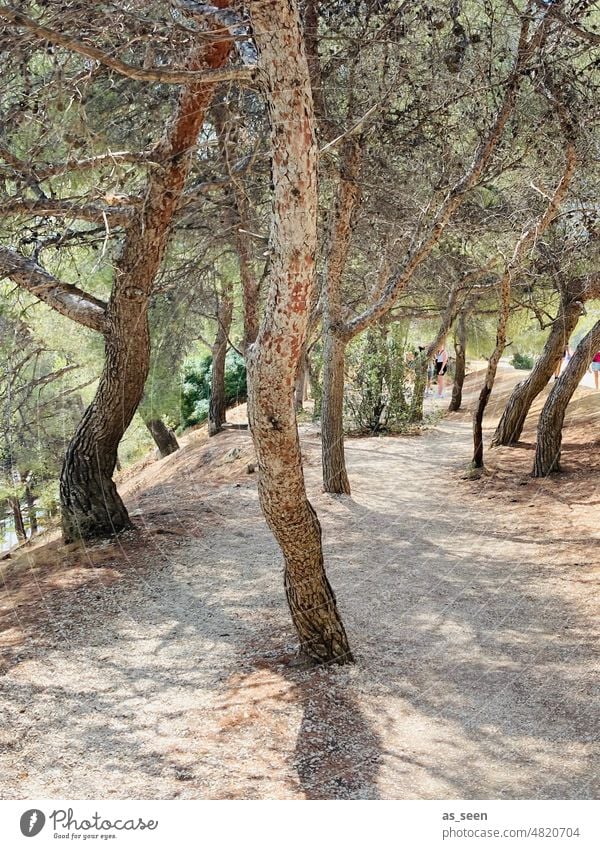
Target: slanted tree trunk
x=31 y=511
x=510 y=426
x=528 y=238
x=91 y=505
x=15 y=506
x=164 y=438
x=273 y=360
x=550 y=424
x=460 y=349
x=217 y=410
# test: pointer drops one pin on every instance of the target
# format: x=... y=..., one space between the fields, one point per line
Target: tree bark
x=91 y=505
x=460 y=349
x=18 y=518
x=335 y=477
x=510 y=426
x=300 y=385
x=273 y=360
x=217 y=410
x=164 y=438
x=31 y=511
x=549 y=433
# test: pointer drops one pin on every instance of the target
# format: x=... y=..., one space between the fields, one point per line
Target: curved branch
x=66 y=299
x=116 y=216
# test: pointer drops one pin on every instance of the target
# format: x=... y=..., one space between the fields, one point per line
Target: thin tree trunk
x=460 y=349
x=549 y=433
x=164 y=438
x=510 y=426
x=300 y=385
x=217 y=411
x=335 y=477
x=273 y=360
x=421 y=366
x=31 y=511
x=91 y=505
x=18 y=519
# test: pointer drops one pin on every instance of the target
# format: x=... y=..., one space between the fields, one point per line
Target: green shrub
x=522 y=361
x=195 y=395
x=376 y=385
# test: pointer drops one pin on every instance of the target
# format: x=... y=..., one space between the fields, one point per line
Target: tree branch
x=402 y=275
x=156 y=75
x=66 y=299
x=116 y=216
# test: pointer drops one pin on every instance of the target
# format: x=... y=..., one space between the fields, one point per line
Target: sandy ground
x=161 y=666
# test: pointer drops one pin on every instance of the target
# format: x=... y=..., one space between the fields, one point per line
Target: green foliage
x=195 y=396
x=522 y=361
x=376 y=383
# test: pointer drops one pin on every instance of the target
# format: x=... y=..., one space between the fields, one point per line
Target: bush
x=375 y=400
x=195 y=396
x=522 y=361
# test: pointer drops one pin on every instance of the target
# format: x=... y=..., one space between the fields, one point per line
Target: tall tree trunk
x=549 y=433
x=217 y=409
x=510 y=426
x=31 y=510
x=421 y=364
x=20 y=531
x=164 y=438
x=335 y=477
x=91 y=505
x=460 y=349
x=300 y=385
x=273 y=360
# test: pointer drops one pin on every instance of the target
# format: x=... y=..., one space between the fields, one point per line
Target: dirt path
x=471 y=614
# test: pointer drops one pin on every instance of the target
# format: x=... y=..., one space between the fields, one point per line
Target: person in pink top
x=596 y=367
x=441 y=364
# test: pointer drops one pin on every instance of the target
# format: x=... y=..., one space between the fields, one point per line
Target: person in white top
x=441 y=364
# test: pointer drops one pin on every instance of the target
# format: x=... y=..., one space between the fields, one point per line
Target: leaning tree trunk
x=91 y=505
x=460 y=349
x=549 y=433
x=528 y=238
x=335 y=477
x=164 y=438
x=510 y=426
x=273 y=359
x=31 y=511
x=18 y=518
x=217 y=410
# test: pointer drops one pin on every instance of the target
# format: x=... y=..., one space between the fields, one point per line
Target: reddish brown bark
x=91 y=505
x=273 y=360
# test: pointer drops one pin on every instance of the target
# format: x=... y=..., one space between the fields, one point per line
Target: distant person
x=441 y=366
x=596 y=368
x=562 y=363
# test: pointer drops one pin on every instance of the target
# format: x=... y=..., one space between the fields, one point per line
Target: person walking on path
x=441 y=365
x=567 y=354
x=596 y=367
